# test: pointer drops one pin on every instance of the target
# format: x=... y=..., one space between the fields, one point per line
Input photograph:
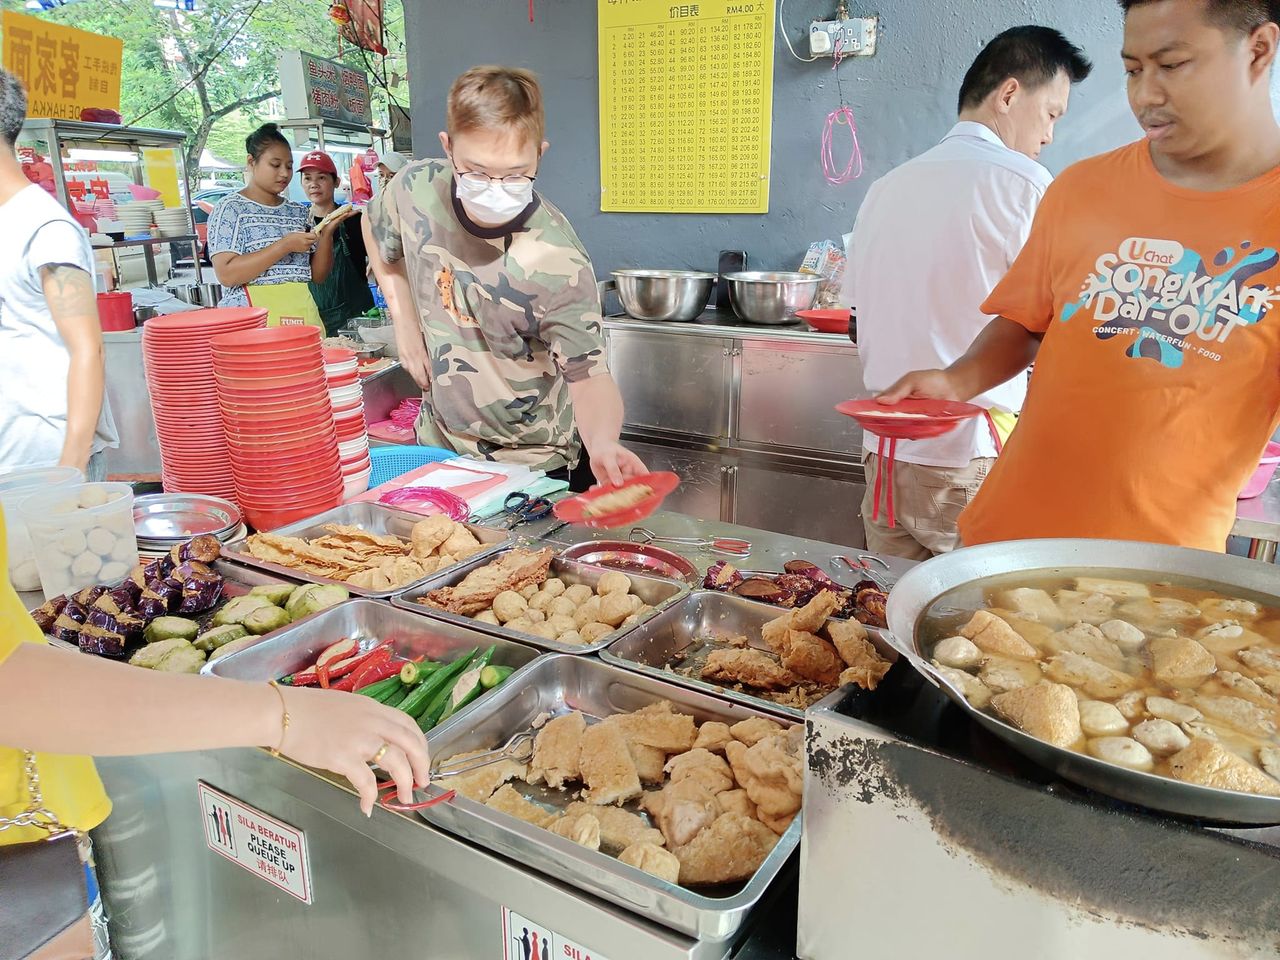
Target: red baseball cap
x=318 y=160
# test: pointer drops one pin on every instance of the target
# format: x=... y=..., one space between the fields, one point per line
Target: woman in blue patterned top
x=261 y=245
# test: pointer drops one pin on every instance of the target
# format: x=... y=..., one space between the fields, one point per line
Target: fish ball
x=957 y=652
x=613 y=582
x=1122 y=751
x=1100 y=719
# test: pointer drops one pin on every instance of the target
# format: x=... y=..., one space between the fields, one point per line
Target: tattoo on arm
x=69 y=291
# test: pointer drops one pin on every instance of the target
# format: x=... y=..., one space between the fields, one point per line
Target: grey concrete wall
x=903 y=97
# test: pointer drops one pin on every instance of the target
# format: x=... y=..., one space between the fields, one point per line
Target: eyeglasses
x=510 y=184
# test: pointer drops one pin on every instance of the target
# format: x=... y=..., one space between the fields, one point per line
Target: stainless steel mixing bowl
x=771 y=298
x=664 y=295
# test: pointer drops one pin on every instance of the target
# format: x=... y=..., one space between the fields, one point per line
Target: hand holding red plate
x=575 y=509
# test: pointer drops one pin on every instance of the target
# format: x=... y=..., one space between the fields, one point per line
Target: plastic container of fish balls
x=15 y=487
x=83 y=534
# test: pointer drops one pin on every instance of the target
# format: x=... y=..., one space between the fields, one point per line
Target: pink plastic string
x=427 y=501
x=853 y=169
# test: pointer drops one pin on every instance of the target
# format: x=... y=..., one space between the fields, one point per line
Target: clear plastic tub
x=84 y=535
x=15 y=487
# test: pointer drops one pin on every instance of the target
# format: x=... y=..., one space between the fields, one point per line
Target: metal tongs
x=727 y=545
x=519 y=749
x=863 y=565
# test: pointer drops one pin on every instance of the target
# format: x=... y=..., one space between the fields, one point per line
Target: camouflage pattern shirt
x=510 y=316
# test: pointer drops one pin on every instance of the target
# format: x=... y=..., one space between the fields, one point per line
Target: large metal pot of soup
x=1149 y=673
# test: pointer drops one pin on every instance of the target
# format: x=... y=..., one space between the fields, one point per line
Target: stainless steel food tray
x=922 y=585
x=236 y=582
x=659 y=593
x=369 y=621
x=373 y=517
x=682 y=629
x=556 y=685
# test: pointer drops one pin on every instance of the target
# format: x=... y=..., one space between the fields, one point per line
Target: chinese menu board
x=686 y=106
x=64 y=70
x=314 y=88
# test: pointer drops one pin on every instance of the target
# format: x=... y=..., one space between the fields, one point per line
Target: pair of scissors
x=522 y=508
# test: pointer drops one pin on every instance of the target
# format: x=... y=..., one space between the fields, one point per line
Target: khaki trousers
x=927 y=503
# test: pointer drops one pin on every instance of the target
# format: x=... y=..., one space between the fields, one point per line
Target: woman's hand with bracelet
x=344 y=733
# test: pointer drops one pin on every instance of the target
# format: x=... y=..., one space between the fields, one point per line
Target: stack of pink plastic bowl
x=279 y=426
x=178 y=356
x=347 y=398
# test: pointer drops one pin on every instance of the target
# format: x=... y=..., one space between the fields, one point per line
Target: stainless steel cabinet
x=746 y=418
x=702 y=476
x=789 y=393
x=674 y=384
x=772 y=497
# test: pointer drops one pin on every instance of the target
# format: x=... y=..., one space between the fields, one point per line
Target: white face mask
x=493 y=203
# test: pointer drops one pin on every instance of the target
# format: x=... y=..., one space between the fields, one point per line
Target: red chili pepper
x=373 y=661
x=333 y=669
x=374 y=673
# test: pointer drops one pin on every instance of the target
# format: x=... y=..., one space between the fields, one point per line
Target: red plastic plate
x=573 y=510
x=826 y=321
x=930 y=418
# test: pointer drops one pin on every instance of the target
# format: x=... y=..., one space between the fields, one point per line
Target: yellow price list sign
x=64 y=70
x=686 y=106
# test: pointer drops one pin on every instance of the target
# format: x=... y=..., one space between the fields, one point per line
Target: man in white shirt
x=931 y=240
x=53 y=407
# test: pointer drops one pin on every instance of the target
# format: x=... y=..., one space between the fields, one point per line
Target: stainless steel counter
x=716 y=323
x=389 y=885
x=1258 y=520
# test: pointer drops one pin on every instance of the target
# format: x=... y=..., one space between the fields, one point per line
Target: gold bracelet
x=284 y=717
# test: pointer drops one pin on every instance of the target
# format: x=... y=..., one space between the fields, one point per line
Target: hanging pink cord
x=853 y=169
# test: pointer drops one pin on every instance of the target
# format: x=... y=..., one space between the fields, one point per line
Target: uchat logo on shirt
x=1171 y=302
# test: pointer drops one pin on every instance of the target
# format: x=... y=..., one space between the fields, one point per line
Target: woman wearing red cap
x=344 y=293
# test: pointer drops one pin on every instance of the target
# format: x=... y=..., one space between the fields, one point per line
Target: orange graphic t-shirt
x=1157 y=385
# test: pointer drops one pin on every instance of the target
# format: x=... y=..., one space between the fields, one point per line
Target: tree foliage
x=213 y=73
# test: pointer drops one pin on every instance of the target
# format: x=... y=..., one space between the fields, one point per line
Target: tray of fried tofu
x=677 y=805
x=756 y=654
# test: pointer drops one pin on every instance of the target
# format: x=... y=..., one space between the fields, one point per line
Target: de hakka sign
x=64 y=70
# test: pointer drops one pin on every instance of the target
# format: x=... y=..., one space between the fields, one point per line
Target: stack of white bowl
x=137 y=216
x=173 y=222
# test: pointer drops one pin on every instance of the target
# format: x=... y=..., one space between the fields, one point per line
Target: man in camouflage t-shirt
x=494 y=298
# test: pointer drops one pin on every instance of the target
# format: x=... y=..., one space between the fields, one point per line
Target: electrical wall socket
x=856 y=37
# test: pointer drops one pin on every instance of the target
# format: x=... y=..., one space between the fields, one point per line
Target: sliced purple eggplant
x=66 y=627
x=126 y=595
x=205 y=549
x=200 y=592
x=170 y=593
x=48 y=612
x=151 y=605
x=138 y=576
x=157 y=569
x=190 y=568
x=763 y=590
x=722 y=576
x=802 y=588
x=102 y=641
x=811 y=570
x=871 y=606
x=86 y=596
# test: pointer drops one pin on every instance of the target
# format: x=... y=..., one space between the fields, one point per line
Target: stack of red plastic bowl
x=178 y=356
x=347 y=398
x=279 y=426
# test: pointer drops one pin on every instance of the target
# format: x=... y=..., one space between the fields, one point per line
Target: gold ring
x=382 y=752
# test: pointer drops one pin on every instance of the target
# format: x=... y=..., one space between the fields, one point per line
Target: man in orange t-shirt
x=1146 y=296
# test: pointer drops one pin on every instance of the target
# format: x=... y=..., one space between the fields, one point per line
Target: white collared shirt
x=932 y=239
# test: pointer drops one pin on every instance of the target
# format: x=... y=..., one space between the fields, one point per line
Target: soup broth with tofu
x=1158 y=674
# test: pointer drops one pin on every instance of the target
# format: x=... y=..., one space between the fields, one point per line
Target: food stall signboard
x=686 y=105
x=526 y=940
x=261 y=844
x=314 y=88
x=64 y=70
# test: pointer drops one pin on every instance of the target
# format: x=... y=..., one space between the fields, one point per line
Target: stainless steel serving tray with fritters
x=915 y=593
x=373 y=517
x=556 y=685
x=657 y=592
x=682 y=635
x=370 y=622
